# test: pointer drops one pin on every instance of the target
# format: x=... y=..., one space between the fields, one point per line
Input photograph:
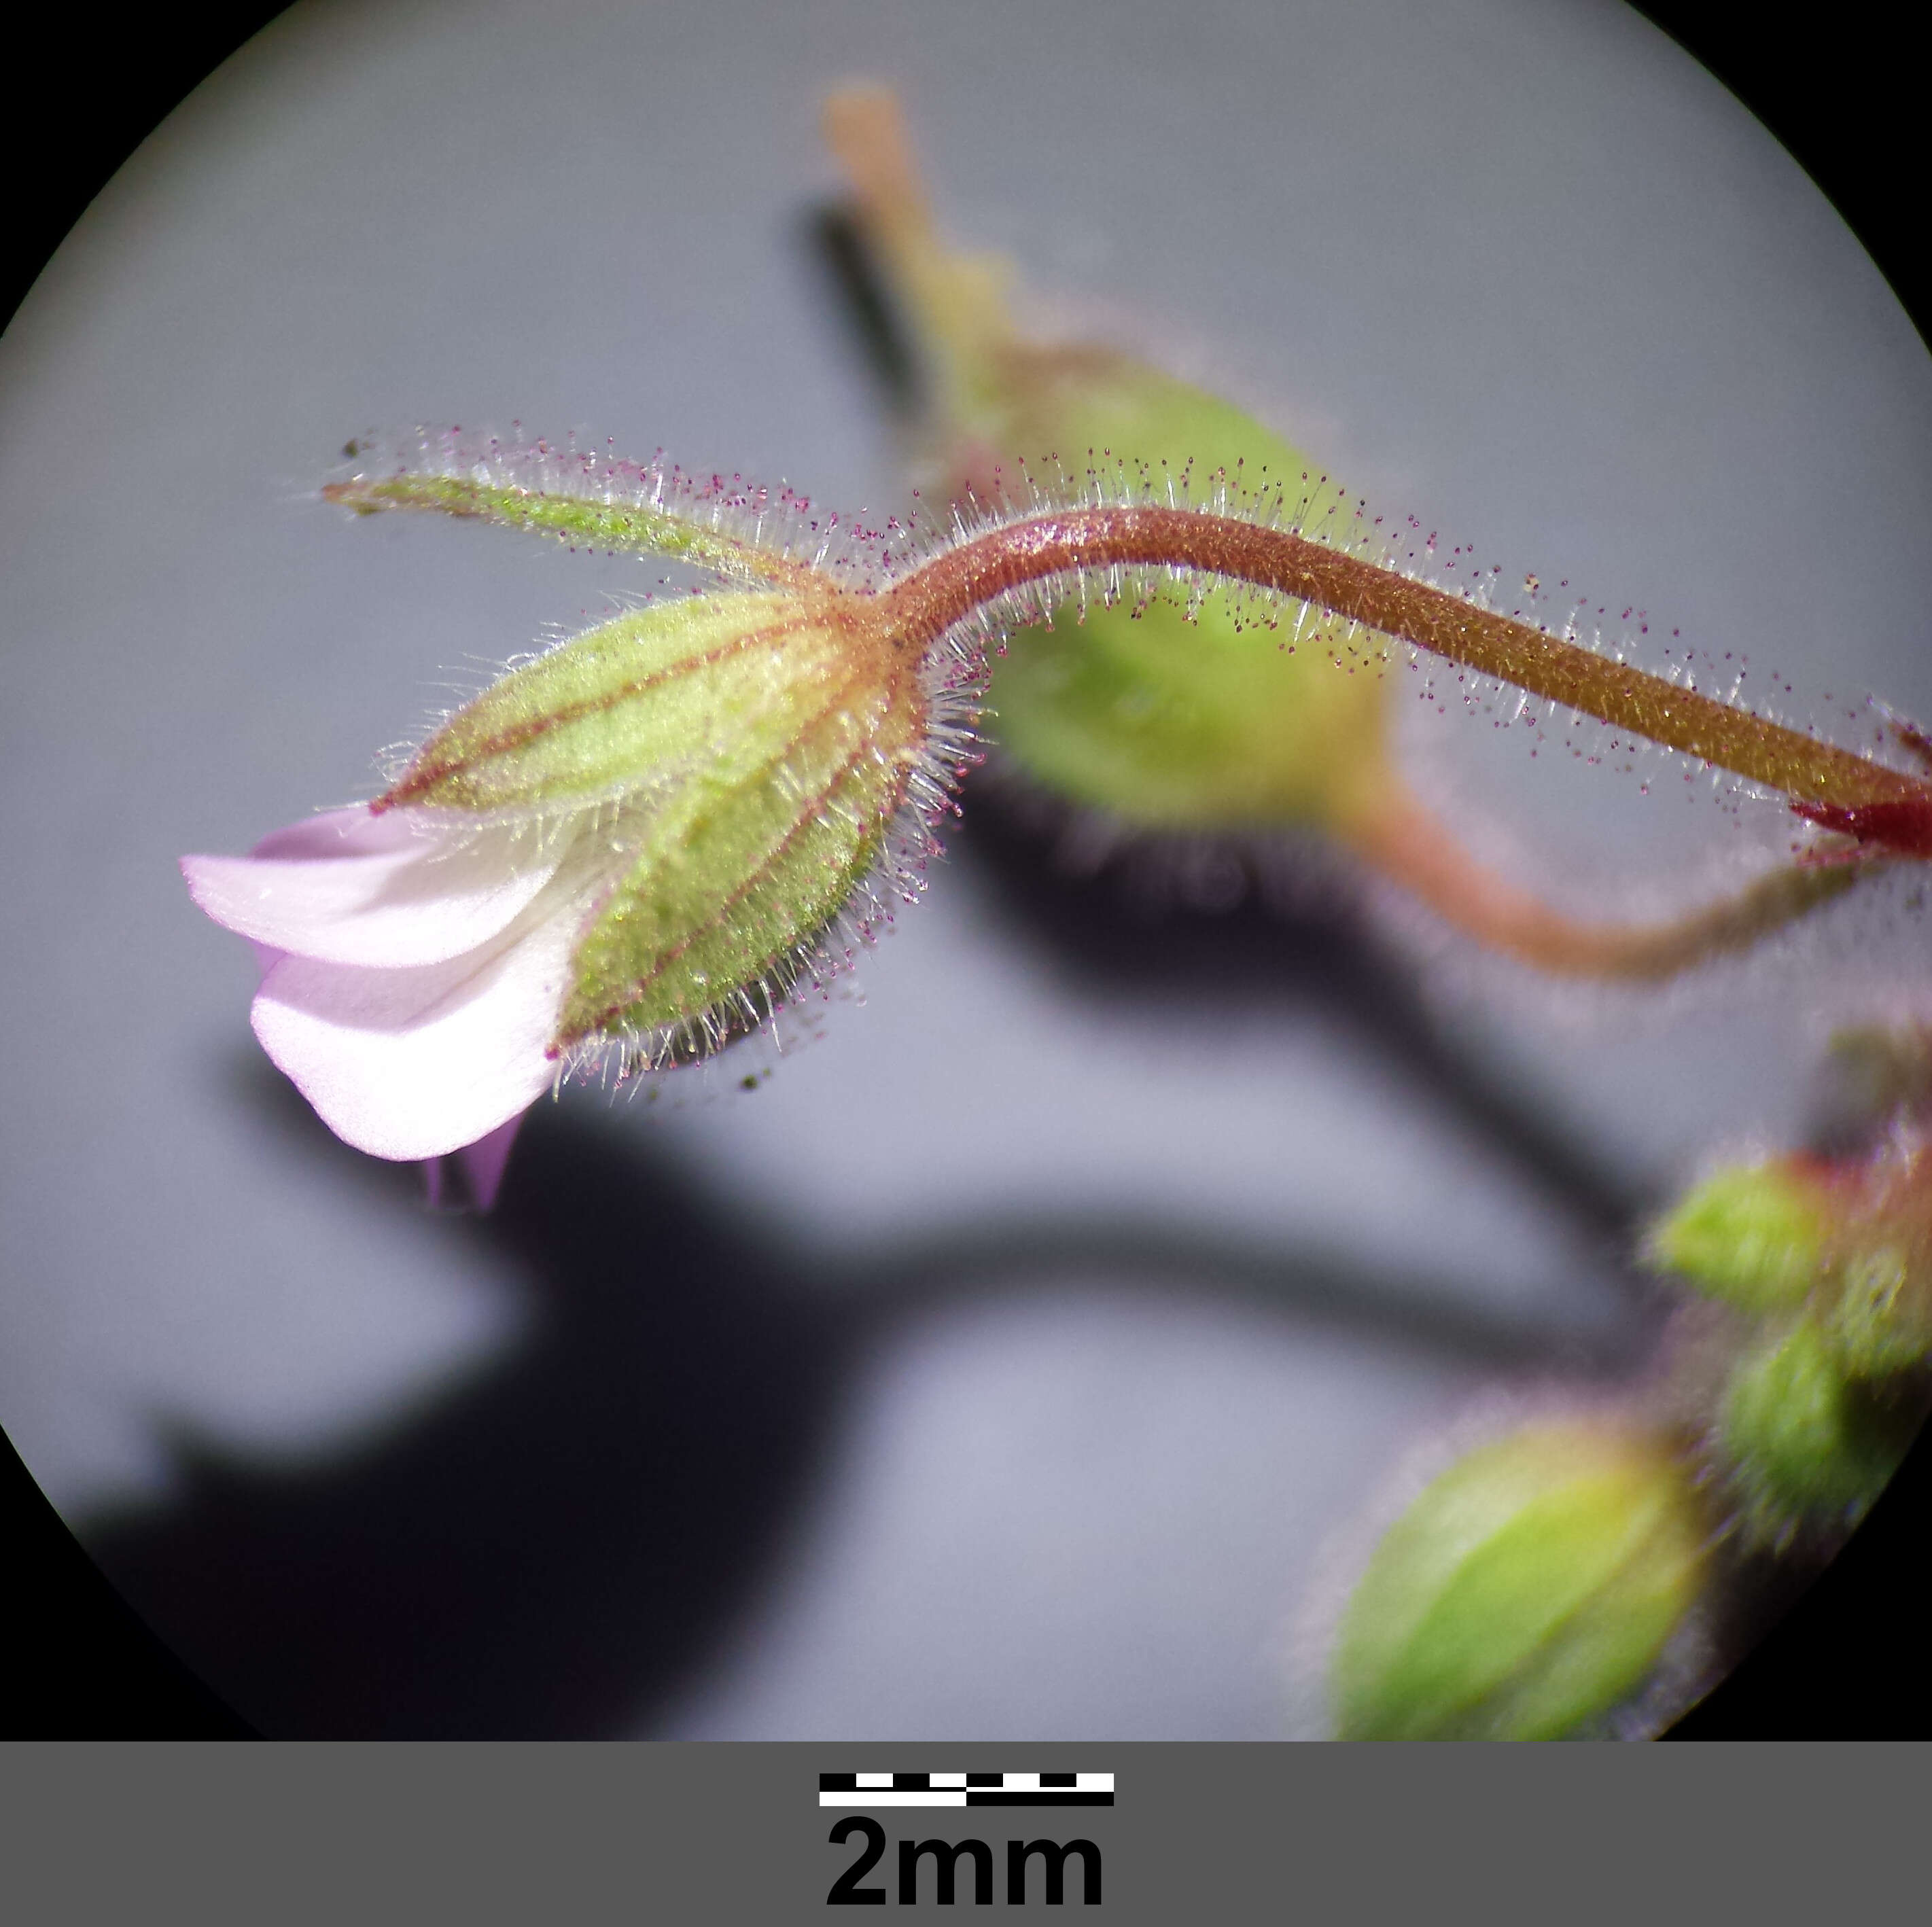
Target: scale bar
x=931 y=1789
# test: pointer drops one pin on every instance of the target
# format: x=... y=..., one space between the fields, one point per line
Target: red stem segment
x=1884 y=808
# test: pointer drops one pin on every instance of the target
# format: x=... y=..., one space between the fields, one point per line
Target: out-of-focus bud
x=1164 y=719
x=1527 y=1592
x=1849 y=1238
x=1753 y=1236
x=1876 y=1320
x=1170 y=718
x=1808 y=1445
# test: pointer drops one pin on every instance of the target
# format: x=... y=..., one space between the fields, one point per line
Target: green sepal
x=1524 y=1594
x=739 y=873
x=1231 y=721
x=743 y=756
x=640 y=705
x=615 y=507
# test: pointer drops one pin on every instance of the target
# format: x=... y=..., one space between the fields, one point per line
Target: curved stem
x=1406 y=843
x=1882 y=806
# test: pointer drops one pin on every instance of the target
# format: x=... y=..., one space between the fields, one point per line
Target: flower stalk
x=1406 y=843
x=908 y=601
x=1887 y=808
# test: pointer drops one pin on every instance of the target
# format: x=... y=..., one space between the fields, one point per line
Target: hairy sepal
x=744 y=757
x=739 y=874
x=641 y=706
x=740 y=532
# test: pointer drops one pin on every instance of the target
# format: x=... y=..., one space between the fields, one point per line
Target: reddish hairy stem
x=1817 y=777
x=1406 y=844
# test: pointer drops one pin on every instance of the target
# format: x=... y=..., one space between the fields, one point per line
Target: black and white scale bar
x=965 y=1789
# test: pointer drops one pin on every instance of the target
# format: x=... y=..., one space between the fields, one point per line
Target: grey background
x=1224 y=1834
x=1006 y=1365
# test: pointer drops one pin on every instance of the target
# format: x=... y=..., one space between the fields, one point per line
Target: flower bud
x=745 y=756
x=641 y=839
x=1526 y=1591
x=1172 y=717
x=1808 y=1445
x=1753 y=1236
x=1850 y=1238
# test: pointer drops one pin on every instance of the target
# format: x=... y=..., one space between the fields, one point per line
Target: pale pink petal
x=484 y=1161
x=356 y=830
x=469 y=1177
x=413 y=1063
x=395 y=890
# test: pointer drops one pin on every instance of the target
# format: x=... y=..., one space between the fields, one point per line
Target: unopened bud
x=1850 y=1239
x=1808 y=1444
x=1527 y=1592
x=1201 y=717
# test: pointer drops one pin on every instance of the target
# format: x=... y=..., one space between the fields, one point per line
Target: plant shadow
x=560 y=1545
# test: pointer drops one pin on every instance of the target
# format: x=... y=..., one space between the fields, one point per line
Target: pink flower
x=413 y=966
x=626 y=852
